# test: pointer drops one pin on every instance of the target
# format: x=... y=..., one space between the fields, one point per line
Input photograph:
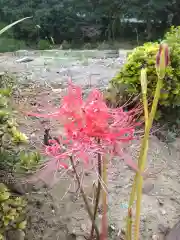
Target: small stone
x=147 y=187
x=163 y=212
x=112 y=227
x=72 y=236
x=160 y=201
x=15 y=235
x=80 y=238
x=155 y=237
x=83 y=227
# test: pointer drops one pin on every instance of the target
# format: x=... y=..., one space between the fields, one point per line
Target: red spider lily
x=87 y=121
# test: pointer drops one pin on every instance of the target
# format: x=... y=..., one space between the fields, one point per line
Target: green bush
x=14 y=156
x=11 y=45
x=12 y=141
x=87 y=46
x=173 y=35
x=65 y=45
x=43 y=45
x=103 y=46
x=129 y=75
x=12 y=211
x=9 y=33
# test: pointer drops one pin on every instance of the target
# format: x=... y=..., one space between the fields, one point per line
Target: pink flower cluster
x=90 y=127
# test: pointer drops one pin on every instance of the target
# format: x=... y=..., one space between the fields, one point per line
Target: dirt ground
x=57 y=212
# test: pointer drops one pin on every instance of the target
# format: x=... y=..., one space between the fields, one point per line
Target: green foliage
x=65 y=45
x=145 y=55
x=7 y=34
x=90 y=21
x=12 y=141
x=28 y=161
x=87 y=46
x=173 y=35
x=43 y=45
x=11 y=45
x=10 y=137
x=103 y=46
x=12 y=211
x=7 y=84
x=13 y=157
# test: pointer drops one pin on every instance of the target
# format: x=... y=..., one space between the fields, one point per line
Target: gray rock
x=15 y=235
x=147 y=187
x=24 y=60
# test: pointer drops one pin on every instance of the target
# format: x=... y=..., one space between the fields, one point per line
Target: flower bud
x=162 y=60
x=144 y=80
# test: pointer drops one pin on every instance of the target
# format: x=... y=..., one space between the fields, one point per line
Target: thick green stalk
x=133 y=192
x=138 y=181
x=143 y=157
x=129 y=217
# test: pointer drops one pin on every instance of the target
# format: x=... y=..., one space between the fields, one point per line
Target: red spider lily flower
x=87 y=121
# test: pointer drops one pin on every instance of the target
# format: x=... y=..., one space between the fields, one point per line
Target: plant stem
x=143 y=157
x=141 y=163
x=133 y=192
x=146 y=113
x=129 y=217
x=104 y=201
x=85 y=199
x=98 y=193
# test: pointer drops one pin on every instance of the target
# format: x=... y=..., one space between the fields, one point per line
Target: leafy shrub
x=12 y=158
x=12 y=211
x=11 y=139
x=7 y=34
x=173 y=36
x=11 y=45
x=43 y=44
x=65 y=45
x=129 y=75
x=87 y=46
x=103 y=46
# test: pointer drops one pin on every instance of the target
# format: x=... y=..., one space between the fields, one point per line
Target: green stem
x=133 y=192
x=146 y=113
x=85 y=198
x=129 y=217
x=98 y=192
x=104 y=201
x=143 y=157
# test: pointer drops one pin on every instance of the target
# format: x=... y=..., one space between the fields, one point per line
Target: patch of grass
x=43 y=45
x=11 y=45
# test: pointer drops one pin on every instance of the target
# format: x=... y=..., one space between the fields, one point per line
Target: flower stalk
x=98 y=194
x=104 y=234
x=162 y=62
x=143 y=157
x=85 y=199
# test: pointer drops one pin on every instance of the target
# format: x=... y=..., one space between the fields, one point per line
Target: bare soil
x=57 y=212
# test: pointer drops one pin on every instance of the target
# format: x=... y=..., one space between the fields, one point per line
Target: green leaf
x=12 y=24
x=22 y=225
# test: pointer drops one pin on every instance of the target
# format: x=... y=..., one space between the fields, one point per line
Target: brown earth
x=57 y=212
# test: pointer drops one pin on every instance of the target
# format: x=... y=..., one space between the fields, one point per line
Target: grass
x=11 y=45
